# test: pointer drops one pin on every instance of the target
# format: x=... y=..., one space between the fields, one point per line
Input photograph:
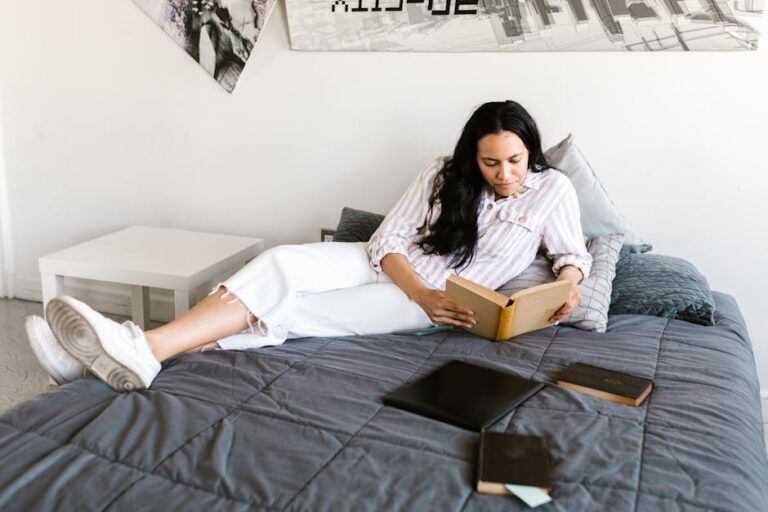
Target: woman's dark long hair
x=459 y=185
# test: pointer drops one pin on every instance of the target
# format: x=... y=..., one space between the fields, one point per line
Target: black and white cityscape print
x=523 y=25
x=218 y=34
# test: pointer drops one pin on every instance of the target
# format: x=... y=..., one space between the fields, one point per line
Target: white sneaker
x=61 y=366
x=116 y=353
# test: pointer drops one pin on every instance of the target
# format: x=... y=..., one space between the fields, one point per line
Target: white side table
x=147 y=257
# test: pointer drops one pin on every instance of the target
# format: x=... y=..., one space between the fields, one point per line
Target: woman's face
x=503 y=160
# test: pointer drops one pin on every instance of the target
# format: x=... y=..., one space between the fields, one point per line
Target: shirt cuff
x=378 y=248
x=582 y=262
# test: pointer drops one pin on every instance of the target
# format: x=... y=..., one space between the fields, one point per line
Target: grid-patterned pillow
x=592 y=313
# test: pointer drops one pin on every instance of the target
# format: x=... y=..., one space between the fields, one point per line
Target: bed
x=302 y=427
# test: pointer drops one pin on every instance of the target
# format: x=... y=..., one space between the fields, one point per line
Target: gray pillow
x=657 y=285
x=592 y=313
x=356 y=225
x=599 y=216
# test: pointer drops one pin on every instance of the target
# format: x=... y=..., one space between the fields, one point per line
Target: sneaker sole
x=37 y=347
x=78 y=338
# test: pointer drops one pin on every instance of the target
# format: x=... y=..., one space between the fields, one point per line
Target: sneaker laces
x=132 y=332
x=138 y=339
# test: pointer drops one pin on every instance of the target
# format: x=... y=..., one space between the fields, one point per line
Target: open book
x=500 y=317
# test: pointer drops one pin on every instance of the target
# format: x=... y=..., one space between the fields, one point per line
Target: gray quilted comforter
x=302 y=427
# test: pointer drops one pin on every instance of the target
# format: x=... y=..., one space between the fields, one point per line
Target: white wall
x=106 y=123
x=6 y=245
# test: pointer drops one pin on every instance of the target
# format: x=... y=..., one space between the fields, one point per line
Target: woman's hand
x=443 y=311
x=440 y=310
x=572 y=274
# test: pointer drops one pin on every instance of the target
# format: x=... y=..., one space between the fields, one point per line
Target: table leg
x=53 y=286
x=202 y=292
x=182 y=300
x=140 y=306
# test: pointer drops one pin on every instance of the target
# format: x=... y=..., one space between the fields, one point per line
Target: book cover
x=511 y=459
x=606 y=384
x=500 y=317
x=464 y=394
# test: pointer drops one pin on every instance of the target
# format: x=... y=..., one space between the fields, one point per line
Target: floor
x=22 y=377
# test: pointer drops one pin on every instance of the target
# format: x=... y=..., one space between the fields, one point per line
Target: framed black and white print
x=218 y=34
x=523 y=25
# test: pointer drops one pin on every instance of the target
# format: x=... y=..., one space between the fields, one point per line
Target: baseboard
x=105 y=297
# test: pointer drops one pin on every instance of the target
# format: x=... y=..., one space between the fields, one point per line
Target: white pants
x=321 y=289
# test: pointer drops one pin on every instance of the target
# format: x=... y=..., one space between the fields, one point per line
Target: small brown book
x=500 y=317
x=606 y=384
x=511 y=459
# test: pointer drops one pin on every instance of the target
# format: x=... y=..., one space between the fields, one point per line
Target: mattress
x=302 y=427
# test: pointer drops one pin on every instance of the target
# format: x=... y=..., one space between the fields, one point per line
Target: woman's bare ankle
x=154 y=345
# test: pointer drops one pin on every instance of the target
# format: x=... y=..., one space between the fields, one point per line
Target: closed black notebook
x=464 y=394
x=511 y=459
x=607 y=384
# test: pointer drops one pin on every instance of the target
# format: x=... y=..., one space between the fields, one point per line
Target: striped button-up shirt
x=510 y=230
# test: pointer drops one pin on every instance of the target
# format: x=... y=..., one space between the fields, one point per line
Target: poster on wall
x=523 y=25
x=218 y=34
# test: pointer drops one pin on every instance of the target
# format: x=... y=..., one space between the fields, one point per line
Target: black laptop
x=464 y=394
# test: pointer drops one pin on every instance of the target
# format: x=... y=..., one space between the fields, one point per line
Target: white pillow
x=592 y=312
x=599 y=216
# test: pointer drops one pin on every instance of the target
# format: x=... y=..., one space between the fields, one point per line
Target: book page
x=535 y=306
x=541 y=288
x=485 y=303
x=532 y=496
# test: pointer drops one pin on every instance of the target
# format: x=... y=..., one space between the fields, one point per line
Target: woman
x=482 y=213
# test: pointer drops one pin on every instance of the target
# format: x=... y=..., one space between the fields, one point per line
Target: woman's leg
x=213 y=318
x=367 y=309
x=269 y=286
x=262 y=296
x=379 y=308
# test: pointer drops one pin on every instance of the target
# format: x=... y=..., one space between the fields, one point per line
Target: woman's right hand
x=443 y=311
x=440 y=310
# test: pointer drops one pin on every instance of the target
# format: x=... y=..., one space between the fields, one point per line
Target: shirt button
x=490 y=206
x=521 y=219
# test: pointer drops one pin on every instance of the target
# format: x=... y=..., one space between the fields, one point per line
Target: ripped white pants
x=320 y=289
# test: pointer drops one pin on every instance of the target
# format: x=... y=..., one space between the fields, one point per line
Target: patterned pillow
x=665 y=286
x=356 y=225
x=592 y=313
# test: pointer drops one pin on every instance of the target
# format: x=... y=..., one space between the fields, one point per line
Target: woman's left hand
x=574 y=297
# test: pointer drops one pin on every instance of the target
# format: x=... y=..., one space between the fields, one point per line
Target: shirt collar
x=532 y=180
x=488 y=195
